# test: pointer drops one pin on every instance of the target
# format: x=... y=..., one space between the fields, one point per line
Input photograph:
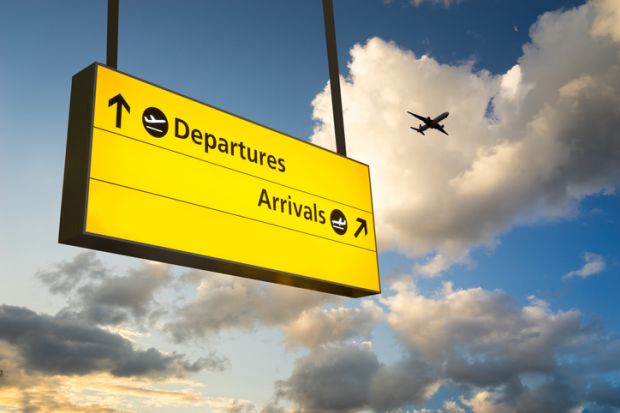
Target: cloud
x=532 y=158
x=68 y=274
x=445 y=3
x=441 y=261
x=100 y=393
x=490 y=347
x=350 y=378
x=475 y=339
x=448 y=407
x=225 y=302
x=58 y=346
x=480 y=335
x=607 y=21
x=500 y=357
x=399 y=384
x=47 y=399
x=605 y=394
x=240 y=406
x=99 y=297
x=320 y=326
x=113 y=299
x=594 y=264
x=554 y=396
x=331 y=380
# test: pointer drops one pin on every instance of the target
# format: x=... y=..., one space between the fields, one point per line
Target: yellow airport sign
x=153 y=174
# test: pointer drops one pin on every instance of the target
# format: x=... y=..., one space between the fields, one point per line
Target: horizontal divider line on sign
x=232 y=169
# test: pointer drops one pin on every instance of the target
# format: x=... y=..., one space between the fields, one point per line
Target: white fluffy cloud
x=502 y=358
x=482 y=340
x=551 y=139
x=483 y=337
x=319 y=326
x=607 y=21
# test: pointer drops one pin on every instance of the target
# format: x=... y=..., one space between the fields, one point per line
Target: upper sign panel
x=154 y=174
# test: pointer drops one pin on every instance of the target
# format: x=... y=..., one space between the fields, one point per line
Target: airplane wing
x=423 y=119
x=441 y=129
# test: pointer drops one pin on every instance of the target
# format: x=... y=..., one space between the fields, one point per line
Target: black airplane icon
x=430 y=123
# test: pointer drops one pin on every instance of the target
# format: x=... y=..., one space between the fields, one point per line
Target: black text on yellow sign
x=154 y=174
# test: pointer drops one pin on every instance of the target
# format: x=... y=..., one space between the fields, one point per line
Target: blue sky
x=499 y=244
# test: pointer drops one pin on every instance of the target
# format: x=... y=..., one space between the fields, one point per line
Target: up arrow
x=120 y=103
x=362 y=226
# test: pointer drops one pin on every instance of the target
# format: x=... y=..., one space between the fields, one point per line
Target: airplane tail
x=417 y=130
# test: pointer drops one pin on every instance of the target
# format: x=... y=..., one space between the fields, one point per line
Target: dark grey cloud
x=225 y=302
x=97 y=295
x=479 y=373
x=560 y=393
x=133 y=291
x=605 y=394
x=350 y=378
x=67 y=275
x=55 y=345
x=332 y=380
x=112 y=299
x=407 y=382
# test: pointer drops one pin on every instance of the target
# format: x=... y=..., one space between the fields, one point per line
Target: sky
x=499 y=245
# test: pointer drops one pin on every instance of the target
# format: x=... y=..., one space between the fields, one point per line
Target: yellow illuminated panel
x=170 y=178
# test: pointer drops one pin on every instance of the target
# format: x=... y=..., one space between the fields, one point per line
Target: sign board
x=154 y=174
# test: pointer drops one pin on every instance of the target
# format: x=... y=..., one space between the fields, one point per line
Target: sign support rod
x=112 y=45
x=334 y=75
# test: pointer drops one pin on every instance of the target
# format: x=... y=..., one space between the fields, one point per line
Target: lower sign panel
x=140 y=180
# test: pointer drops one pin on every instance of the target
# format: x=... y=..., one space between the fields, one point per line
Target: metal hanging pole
x=112 y=47
x=334 y=75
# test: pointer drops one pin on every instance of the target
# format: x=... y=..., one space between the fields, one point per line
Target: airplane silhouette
x=151 y=120
x=340 y=223
x=430 y=123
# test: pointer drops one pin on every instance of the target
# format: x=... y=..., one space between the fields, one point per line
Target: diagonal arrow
x=362 y=226
x=120 y=103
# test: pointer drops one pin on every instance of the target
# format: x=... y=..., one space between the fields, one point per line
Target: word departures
x=153 y=174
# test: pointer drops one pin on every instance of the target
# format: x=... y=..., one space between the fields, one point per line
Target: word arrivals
x=287 y=205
